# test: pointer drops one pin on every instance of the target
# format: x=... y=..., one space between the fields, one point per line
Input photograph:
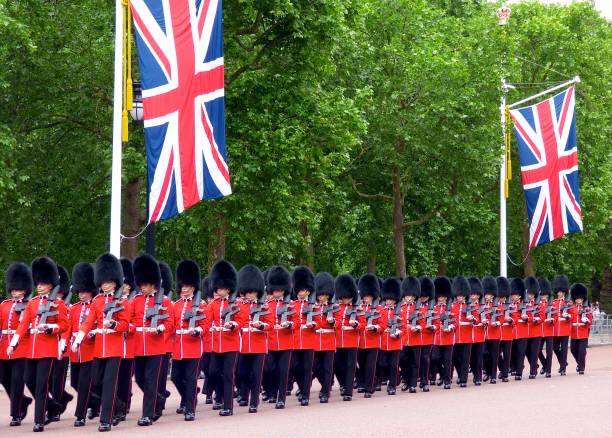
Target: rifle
x=332 y=308
x=195 y=314
x=154 y=314
x=45 y=310
x=115 y=306
x=396 y=321
x=354 y=313
x=471 y=306
x=430 y=317
x=373 y=314
x=416 y=315
x=68 y=297
x=507 y=306
x=493 y=309
x=257 y=310
x=308 y=310
x=446 y=316
x=285 y=309
x=231 y=309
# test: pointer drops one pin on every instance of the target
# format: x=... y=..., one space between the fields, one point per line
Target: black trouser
x=546 y=358
x=367 y=358
x=424 y=364
x=222 y=367
x=80 y=380
x=207 y=388
x=276 y=369
x=146 y=371
x=519 y=347
x=409 y=364
x=578 y=348
x=491 y=357
x=104 y=376
x=58 y=380
x=345 y=364
x=250 y=370
x=37 y=377
x=505 y=351
x=560 y=349
x=446 y=362
x=534 y=346
x=461 y=361
x=390 y=364
x=476 y=360
x=11 y=377
x=323 y=370
x=301 y=364
x=124 y=388
x=185 y=378
x=162 y=383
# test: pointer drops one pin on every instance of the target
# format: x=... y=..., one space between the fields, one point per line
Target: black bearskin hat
x=44 y=271
x=302 y=278
x=489 y=285
x=146 y=271
x=83 y=278
x=19 y=277
x=579 y=290
x=517 y=287
x=461 y=287
x=167 y=280
x=324 y=284
x=391 y=289
x=532 y=286
x=108 y=268
x=368 y=285
x=251 y=279
x=128 y=273
x=187 y=274
x=475 y=286
x=206 y=290
x=64 y=282
x=503 y=287
x=345 y=287
x=427 y=288
x=442 y=286
x=560 y=284
x=223 y=275
x=411 y=286
x=278 y=279
x=545 y=287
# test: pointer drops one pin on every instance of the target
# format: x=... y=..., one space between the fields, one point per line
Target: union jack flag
x=546 y=137
x=180 y=52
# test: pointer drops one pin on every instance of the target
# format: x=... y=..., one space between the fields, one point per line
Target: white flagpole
x=503 y=265
x=542 y=93
x=115 y=215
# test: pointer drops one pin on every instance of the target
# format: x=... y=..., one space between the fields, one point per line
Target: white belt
x=252 y=330
x=103 y=331
x=303 y=327
x=9 y=332
x=348 y=327
x=146 y=329
x=183 y=332
x=219 y=329
x=326 y=331
x=36 y=331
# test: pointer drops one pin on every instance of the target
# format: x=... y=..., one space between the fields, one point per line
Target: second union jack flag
x=180 y=51
x=546 y=137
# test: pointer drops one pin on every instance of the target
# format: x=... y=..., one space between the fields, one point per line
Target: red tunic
x=77 y=315
x=548 y=326
x=521 y=326
x=441 y=337
x=187 y=345
x=410 y=337
x=494 y=327
x=303 y=337
x=478 y=328
x=427 y=334
x=347 y=336
x=371 y=338
x=562 y=324
x=169 y=334
x=581 y=326
x=280 y=339
x=325 y=334
x=534 y=326
x=224 y=340
x=388 y=341
x=108 y=342
x=149 y=343
x=254 y=340
x=43 y=345
x=464 y=334
x=9 y=321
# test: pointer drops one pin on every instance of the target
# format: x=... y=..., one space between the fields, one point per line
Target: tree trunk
x=529 y=264
x=307 y=260
x=131 y=218
x=216 y=244
x=605 y=294
x=372 y=264
x=398 y=224
x=441 y=268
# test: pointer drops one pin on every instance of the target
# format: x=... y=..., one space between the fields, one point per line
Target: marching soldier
x=81 y=360
x=534 y=336
x=478 y=330
x=427 y=301
x=149 y=315
x=444 y=326
x=492 y=323
x=547 y=327
x=280 y=343
x=189 y=324
x=391 y=341
x=254 y=340
x=325 y=338
x=304 y=331
x=348 y=329
x=581 y=320
x=108 y=318
x=224 y=320
x=464 y=332
x=19 y=287
x=519 y=319
x=207 y=387
x=412 y=335
x=45 y=328
x=562 y=323
x=370 y=337
x=507 y=328
x=162 y=384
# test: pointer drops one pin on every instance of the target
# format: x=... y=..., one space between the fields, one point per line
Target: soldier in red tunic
x=412 y=333
x=108 y=318
x=162 y=384
x=427 y=301
x=464 y=330
x=188 y=314
x=254 y=335
x=369 y=338
x=534 y=335
x=478 y=329
x=45 y=328
x=520 y=319
x=391 y=340
x=444 y=322
x=81 y=359
x=548 y=323
x=207 y=388
x=325 y=338
x=562 y=323
x=19 y=287
x=507 y=328
x=492 y=322
x=581 y=319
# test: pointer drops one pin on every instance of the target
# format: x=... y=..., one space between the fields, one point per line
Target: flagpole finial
x=577 y=79
x=503 y=14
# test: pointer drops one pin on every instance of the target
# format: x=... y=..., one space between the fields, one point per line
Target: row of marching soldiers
x=255 y=334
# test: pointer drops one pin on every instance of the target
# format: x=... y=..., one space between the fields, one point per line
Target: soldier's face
x=222 y=293
x=460 y=299
x=147 y=288
x=323 y=298
x=367 y=299
x=516 y=298
x=108 y=286
x=251 y=296
x=187 y=291
x=43 y=288
x=409 y=299
x=489 y=297
x=442 y=300
x=347 y=301
x=303 y=294
x=544 y=298
x=18 y=294
x=424 y=299
x=578 y=301
x=530 y=297
x=126 y=289
x=278 y=294
x=474 y=297
x=390 y=303
x=84 y=296
x=560 y=295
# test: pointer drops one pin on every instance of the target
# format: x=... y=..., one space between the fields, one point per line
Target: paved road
x=571 y=406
